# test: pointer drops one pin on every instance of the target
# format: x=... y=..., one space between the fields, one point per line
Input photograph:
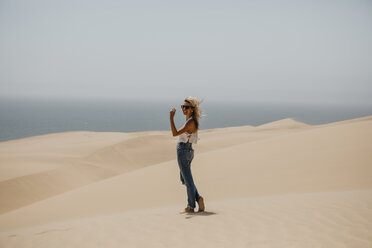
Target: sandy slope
x=282 y=184
x=36 y=168
x=328 y=219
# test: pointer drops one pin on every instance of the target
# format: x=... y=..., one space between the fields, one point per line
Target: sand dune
x=40 y=167
x=37 y=154
x=287 y=123
x=280 y=184
x=327 y=219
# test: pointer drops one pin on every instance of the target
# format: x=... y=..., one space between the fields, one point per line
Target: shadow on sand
x=205 y=213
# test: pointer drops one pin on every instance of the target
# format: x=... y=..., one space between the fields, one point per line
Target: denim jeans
x=185 y=154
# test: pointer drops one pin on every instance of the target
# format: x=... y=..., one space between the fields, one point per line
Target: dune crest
x=287 y=123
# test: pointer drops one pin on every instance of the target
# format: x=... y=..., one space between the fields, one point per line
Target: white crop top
x=190 y=137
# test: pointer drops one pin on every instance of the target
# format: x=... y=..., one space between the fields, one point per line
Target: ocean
x=25 y=117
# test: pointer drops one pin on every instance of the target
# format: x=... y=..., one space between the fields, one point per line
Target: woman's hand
x=172 y=112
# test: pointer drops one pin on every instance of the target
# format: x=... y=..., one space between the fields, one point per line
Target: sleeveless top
x=189 y=137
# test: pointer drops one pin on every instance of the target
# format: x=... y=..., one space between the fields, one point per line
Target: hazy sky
x=285 y=51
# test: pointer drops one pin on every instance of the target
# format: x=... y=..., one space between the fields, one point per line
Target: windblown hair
x=197 y=113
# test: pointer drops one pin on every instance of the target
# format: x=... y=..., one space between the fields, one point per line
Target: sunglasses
x=186 y=107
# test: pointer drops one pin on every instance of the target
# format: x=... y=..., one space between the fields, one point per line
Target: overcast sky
x=276 y=51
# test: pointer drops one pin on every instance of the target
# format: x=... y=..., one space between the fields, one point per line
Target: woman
x=188 y=134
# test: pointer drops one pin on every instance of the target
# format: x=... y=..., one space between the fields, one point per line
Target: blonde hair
x=197 y=113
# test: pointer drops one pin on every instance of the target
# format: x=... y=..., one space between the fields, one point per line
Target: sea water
x=21 y=118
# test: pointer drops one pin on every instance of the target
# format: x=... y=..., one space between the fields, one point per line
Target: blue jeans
x=185 y=154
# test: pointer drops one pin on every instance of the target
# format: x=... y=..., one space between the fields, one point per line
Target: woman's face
x=186 y=108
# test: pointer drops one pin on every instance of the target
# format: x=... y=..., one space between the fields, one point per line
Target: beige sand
x=282 y=184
